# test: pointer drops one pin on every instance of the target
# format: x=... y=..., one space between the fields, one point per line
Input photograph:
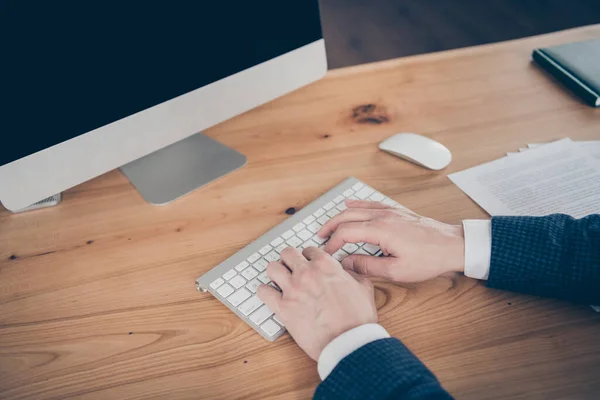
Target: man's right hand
x=416 y=248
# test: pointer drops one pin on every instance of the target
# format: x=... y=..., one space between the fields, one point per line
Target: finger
x=367 y=204
x=279 y=274
x=312 y=252
x=376 y=205
x=349 y=215
x=270 y=296
x=353 y=232
x=383 y=267
x=292 y=258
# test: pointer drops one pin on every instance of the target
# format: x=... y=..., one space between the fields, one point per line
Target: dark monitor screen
x=69 y=67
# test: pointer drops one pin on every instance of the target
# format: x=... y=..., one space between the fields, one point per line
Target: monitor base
x=181 y=168
x=51 y=201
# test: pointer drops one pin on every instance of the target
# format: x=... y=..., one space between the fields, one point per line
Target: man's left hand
x=319 y=299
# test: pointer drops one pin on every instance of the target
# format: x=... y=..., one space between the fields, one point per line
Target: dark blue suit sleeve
x=384 y=369
x=554 y=256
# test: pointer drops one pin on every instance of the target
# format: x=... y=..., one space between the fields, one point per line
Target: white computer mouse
x=418 y=149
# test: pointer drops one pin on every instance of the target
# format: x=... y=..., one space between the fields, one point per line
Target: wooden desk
x=97 y=296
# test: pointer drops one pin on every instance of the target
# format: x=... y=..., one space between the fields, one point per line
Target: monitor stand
x=181 y=168
x=51 y=201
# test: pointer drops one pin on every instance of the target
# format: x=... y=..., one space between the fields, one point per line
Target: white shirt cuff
x=478 y=247
x=346 y=343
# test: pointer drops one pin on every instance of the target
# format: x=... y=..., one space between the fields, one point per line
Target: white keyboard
x=235 y=280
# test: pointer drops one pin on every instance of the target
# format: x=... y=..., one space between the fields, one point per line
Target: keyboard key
x=237 y=281
x=265 y=250
x=304 y=234
x=250 y=305
x=376 y=196
x=389 y=202
x=350 y=248
x=323 y=220
x=238 y=297
x=241 y=266
x=288 y=234
x=261 y=264
x=216 y=283
x=319 y=239
x=270 y=328
x=309 y=243
x=338 y=199
x=298 y=227
x=364 y=193
x=341 y=206
x=352 y=198
x=281 y=247
x=272 y=256
x=253 y=258
x=249 y=273
x=332 y=213
x=277 y=242
x=319 y=212
x=361 y=251
x=261 y=315
x=229 y=274
x=225 y=290
x=340 y=255
x=348 y=192
x=370 y=248
x=252 y=285
x=314 y=227
x=295 y=241
x=329 y=205
x=309 y=220
x=357 y=186
x=264 y=278
x=277 y=320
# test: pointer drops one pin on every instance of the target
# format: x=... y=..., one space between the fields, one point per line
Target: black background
x=71 y=67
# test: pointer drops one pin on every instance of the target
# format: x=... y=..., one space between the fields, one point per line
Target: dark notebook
x=576 y=65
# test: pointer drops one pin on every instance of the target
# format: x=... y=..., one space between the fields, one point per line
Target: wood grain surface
x=97 y=296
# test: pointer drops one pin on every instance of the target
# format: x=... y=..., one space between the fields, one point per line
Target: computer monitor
x=87 y=87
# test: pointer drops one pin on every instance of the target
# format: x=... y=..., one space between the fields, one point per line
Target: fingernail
x=348 y=263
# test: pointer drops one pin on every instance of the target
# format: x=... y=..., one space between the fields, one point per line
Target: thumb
x=382 y=267
x=270 y=296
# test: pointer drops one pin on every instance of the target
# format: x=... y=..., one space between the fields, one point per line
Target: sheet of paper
x=558 y=177
x=591 y=146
